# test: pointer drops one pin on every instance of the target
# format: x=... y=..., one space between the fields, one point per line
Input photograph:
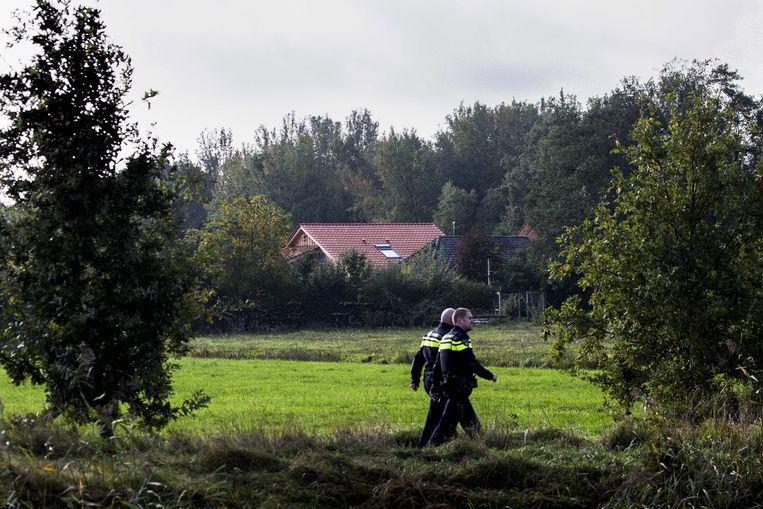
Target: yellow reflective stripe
x=445 y=344
x=459 y=346
x=432 y=340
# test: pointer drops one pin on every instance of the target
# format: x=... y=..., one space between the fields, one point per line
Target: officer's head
x=447 y=316
x=462 y=317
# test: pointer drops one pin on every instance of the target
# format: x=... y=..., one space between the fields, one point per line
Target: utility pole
x=453 y=227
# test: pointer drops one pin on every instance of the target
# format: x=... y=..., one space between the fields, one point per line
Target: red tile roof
x=527 y=231
x=335 y=238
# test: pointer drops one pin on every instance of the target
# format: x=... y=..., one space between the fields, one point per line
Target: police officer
x=426 y=359
x=458 y=365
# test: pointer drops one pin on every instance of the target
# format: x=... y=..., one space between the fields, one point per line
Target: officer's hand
x=435 y=396
x=414 y=386
x=495 y=377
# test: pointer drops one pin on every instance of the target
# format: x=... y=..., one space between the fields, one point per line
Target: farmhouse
x=381 y=244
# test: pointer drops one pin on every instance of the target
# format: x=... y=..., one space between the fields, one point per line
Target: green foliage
x=192 y=194
x=457 y=206
x=672 y=266
x=475 y=150
x=413 y=293
x=356 y=269
x=240 y=176
x=406 y=168
x=96 y=290
x=564 y=170
x=356 y=170
x=240 y=247
x=215 y=148
x=322 y=294
x=300 y=169
x=516 y=273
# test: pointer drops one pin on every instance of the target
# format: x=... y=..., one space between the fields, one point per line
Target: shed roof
x=509 y=245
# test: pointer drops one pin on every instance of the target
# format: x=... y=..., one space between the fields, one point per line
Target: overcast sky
x=243 y=63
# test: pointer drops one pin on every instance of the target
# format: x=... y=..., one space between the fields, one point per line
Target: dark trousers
x=432 y=420
x=458 y=409
x=434 y=413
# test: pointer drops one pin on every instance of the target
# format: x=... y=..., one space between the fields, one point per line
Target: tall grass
x=640 y=463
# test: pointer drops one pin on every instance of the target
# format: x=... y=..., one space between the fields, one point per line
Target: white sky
x=245 y=63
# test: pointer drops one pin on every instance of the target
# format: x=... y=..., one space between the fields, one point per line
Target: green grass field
x=322 y=397
x=357 y=380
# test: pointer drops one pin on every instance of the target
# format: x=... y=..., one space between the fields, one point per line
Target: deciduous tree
x=455 y=206
x=300 y=169
x=95 y=288
x=241 y=248
x=474 y=251
x=405 y=166
x=672 y=265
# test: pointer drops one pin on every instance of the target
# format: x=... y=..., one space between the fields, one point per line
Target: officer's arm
x=436 y=376
x=478 y=369
x=416 y=367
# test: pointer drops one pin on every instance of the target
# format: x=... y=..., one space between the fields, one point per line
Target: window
x=387 y=250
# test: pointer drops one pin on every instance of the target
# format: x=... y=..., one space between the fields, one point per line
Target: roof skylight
x=387 y=250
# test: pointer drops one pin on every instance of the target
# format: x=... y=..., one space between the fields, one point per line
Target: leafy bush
x=416 y=293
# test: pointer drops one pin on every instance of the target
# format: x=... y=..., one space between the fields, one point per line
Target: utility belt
x=459 y=385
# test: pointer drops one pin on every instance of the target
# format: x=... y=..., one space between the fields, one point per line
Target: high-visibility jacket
x=456 y=363
x=426 y=357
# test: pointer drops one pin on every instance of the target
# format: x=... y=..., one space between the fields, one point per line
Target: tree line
x=545 y=164
x=489 y=171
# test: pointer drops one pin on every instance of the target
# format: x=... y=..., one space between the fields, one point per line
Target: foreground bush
x=671 y=266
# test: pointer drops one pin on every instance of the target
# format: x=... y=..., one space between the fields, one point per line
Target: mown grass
x=503 y=344
x=324 y=397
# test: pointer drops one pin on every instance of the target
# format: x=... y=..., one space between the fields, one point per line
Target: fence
x=528 y=306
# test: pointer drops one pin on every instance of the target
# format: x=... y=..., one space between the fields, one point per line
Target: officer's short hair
x=460 y=313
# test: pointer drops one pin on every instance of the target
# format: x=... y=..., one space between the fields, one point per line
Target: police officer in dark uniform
x=456 y=362
x=426 y=360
